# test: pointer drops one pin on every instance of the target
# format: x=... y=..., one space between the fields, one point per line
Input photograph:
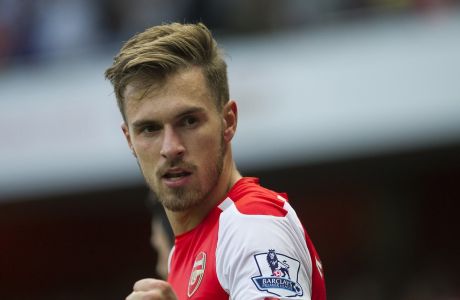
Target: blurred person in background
x=234 y=239
x=161 y=236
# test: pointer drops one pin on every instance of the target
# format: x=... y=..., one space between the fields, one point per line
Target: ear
x=127 y=135
x=230 y=115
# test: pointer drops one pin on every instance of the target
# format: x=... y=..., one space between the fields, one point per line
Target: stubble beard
x=184 y=198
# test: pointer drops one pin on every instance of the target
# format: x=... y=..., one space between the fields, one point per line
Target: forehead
x=186 y=87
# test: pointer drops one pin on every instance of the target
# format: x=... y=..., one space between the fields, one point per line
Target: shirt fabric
x=251 y=246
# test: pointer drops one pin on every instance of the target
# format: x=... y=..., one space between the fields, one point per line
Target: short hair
x=150 y=56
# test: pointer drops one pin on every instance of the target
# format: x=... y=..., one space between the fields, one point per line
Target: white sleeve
x=260 y=256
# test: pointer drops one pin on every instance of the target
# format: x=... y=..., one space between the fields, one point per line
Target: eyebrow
x=190 y=111
x=185 y=112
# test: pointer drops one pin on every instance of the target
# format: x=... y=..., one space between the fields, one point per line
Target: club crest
x=197 y=274
x=278 y=274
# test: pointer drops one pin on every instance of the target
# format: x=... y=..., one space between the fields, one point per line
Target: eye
x=190 y=121
x=149 y=129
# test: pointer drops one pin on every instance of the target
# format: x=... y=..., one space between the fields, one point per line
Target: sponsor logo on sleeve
x=278 y=274
x=199 y=265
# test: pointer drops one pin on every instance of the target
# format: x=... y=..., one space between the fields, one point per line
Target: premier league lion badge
x=278 y=274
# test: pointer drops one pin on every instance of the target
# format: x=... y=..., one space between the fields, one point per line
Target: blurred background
x=350 y=106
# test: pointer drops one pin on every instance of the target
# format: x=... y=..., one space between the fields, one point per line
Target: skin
x=182 y=143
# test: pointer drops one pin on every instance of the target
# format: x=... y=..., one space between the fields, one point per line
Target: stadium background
x=352 y=107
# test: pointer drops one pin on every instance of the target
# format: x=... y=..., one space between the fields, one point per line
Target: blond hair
x=150 y=56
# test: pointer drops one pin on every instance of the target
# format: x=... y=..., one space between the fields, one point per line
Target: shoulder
x=254 y=222
x=250 y=198
x=262 y=204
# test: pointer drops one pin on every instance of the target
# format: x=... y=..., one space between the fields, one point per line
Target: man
x=171 y=86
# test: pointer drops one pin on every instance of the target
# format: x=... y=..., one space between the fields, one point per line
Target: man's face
x=176 y=133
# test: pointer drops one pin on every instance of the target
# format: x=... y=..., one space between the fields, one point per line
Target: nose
x=172 y=147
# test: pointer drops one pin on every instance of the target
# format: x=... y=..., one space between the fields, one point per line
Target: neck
x=184 y=221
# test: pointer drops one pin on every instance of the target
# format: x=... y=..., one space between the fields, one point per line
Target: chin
x=181 y=200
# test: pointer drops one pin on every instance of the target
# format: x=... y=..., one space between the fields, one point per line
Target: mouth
x=175 y=178
x=176 y=175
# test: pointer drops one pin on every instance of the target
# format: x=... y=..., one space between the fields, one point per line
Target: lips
x=176 y=177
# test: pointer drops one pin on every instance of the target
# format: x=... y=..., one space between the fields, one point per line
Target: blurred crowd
x=34 y=30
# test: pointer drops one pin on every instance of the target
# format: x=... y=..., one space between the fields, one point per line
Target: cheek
x=146 y=150
x=208 y=144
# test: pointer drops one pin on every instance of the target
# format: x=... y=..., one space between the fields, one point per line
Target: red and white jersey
x=251 y=246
